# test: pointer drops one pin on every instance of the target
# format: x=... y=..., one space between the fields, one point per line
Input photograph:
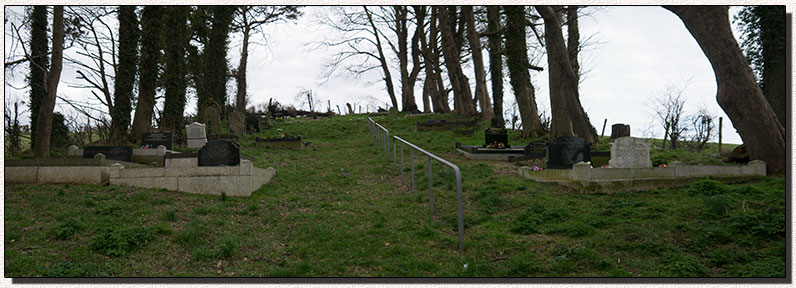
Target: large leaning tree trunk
x=174 y=74
x=495 y=37
x=45 y=120
x=148 y=71
x=481 y=92
x=738 y=93
x=567 y=115
x=517 y=59
x=462 y=96
x=125 y=74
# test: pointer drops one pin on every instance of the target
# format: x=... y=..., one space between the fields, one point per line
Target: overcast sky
x=637 y=52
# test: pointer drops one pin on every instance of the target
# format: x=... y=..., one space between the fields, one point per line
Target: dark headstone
x=211 y=117
x=738 y=155
x=153 y=140
x=620 y=130
x=252 y=124
x=119 y=153
x=565 y=151
x=536 y=148
x=221 y=152
x=494 y=137
x=393 y=112
x=381 y=110
x=237 y=124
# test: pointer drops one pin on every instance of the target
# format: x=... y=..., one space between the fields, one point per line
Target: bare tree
x=451 y=51
x=11 y=128
x=249 y=20
x=702 y=128
x=360 y=41
x=517 y=61
x=474 y=38
x=668 y=109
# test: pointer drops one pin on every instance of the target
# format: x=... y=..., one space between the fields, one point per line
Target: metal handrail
x=459 y=200
x=382 y=134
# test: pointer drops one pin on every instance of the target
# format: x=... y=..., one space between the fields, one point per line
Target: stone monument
x=196 y=135
x=565 y=151
x=211 y=116
x=220 y=152
x=237 y=124
x=153 y=139
x=393 y=112
x=630 y=152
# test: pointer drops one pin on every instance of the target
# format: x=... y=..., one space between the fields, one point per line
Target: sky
x=636 y=52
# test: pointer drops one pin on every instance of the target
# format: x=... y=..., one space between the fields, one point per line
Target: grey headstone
x=393 y=113
x=220 y=152
x=237 y=124
x=565 y=151
x=211 y=116
x=197 y=136
x=629 y=152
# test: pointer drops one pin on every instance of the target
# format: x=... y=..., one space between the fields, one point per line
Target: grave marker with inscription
x=630 y=152
x=196 y=135
x=153 y=140
x=237 y=124
x=220 y=152
x=119 y=153
x=211 y=116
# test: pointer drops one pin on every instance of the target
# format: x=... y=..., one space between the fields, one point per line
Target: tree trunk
x=150 y=52
x=125 y=74
x=420 y=35
x=385 y=68
x=573 y=40
x=517 y=60
x=175 y=70
x=38 y=66
x=772 y=40
x=462 y=96
x=53 y=76
x=738 y=94
x=240 y=98
x=496 y=62
x=439 y=96
x=417 y=65
x=481 y=92
x=567 y=114
x=407 y=83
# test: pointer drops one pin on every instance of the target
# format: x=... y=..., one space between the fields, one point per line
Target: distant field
x=338 y=210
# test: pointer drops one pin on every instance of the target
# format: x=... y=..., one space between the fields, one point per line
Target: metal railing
x=382 y=134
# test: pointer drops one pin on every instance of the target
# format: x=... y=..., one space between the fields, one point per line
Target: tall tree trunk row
x=151 y=24
x=125 y=74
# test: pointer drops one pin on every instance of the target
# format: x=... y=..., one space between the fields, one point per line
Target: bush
x=526 y=223
x=63 y=229
x=116 y=241
x=707 y=187
x=717 y=205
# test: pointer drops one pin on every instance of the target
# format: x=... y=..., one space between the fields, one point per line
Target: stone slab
x=181 y=162
x=153 y=140
x=630 y=152
x=97 y=175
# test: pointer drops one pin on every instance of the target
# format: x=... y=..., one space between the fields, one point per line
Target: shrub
x=707 y=187
x=717 y=205
x=118 y=241
x=63 y=229
x=526 y=223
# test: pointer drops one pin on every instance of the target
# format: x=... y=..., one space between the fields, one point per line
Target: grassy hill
x=339 y=209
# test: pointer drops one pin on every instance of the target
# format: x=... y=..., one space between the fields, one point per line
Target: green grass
x=339 y=209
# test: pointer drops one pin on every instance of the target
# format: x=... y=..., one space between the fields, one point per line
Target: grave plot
x=438 y=125
x=94 y=170
x=286 y=142
x=496 y=147
x=630 y=169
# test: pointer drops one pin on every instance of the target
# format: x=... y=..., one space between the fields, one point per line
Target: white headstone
x=196 y=135
x=630 y=152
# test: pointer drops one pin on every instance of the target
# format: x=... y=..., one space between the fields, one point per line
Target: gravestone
x=565 y=151
x=620 y=130
x=153 y=140
x=393 y=113
x=629 y=152
x=496 y=137
x=211 y=116
x=196 y=135
x=119 y=153
x=237 y=124
x=536 y=148
x=220 y=152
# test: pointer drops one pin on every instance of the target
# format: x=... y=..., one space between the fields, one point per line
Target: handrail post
x=459 y=207
x=394 y=163
x=403 y=182
x=430 y=188
x=412 y=160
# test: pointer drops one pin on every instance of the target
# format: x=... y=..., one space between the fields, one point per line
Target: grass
x=338 y=209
